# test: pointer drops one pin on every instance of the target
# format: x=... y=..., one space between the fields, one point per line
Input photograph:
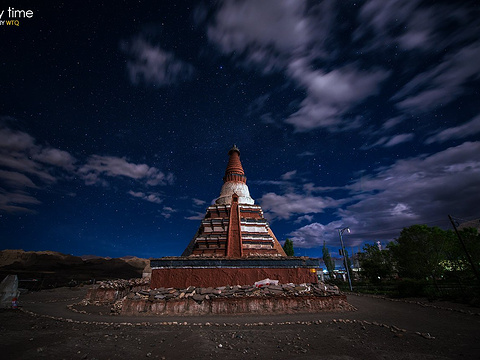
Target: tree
x=471 y=237
x=375 y=264
x=328 y=261
x=420 y=251
x=288 y=247
x=457 y=260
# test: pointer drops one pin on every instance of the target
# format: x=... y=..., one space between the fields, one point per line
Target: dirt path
x=379 y=329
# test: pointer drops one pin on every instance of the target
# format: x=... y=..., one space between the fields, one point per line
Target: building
x=234 y=226
x=233 y=245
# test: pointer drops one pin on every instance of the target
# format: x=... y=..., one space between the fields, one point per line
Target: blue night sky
x=116 y=118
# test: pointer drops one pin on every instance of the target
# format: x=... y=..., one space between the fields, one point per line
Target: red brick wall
x=182 y=278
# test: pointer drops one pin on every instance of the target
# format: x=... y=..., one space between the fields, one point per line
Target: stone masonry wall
x=236 y=305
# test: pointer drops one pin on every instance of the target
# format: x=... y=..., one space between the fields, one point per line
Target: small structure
x=9 y=292
x=234 y=244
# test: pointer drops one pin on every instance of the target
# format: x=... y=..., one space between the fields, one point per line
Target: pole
x=340 y=233
x=474 y=268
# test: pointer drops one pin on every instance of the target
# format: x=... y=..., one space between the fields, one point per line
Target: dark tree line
x=422 y=252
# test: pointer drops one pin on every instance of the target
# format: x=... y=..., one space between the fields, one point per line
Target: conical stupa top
x=234 y=181
x=234 y=171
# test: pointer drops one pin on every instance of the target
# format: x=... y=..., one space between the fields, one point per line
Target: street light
x=340 y=233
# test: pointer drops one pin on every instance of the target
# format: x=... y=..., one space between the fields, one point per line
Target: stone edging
x=394 y=329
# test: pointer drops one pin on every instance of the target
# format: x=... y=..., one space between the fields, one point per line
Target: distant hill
x=51 y=269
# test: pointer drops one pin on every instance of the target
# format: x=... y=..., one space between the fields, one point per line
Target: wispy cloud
x=152 y=65
x=167 y=212
x=306 y=153
x=198 y=202
x=288 y=36
x=26 y=166
x=331 y=94
x=443 y=83
x=389 y=141
x=296 y=38
x=97 y=167
x=264 y=33
x=150 y=197
x=302 y=218
x=197 y=215
x=17 y=202
x=411 y=25
x=287 y=205
x=56 y=157
x=289 y=175
x=470 y=128
x=399 y=139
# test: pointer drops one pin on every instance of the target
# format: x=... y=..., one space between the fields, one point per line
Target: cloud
x=331 y=94
x=56 y=157
x=150 y=197
x=198 y=202
x=12 y=202
x=27 y=165
x=16 y=180
x=441 y=84
x=151 y=65
x=310 y=188
x=401 y=22
x=306 y=153
x=392 y=122
x=312 y=235
x=196 y=216
x=264 y=33
x=307 y=218
x=167 y=212
x=98 y=166
x=290 y=37
x=387 y=141
x=412 y=25
x=18 y=152
x=15 y=140
x=287 y=205
x=470 y=128
x=289 y=175
x=302 y=41
x=421 y=189
x=398 y=139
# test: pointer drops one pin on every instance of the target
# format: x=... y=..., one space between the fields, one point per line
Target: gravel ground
x=45 y=327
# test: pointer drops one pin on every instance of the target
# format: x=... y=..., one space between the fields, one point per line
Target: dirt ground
x=380 y=329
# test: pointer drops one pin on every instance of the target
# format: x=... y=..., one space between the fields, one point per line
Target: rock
x=198 y=297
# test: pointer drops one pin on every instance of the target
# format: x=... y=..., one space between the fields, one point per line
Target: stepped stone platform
x=225 y=300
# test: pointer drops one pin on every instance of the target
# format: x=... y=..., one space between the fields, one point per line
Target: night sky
x=116 y=118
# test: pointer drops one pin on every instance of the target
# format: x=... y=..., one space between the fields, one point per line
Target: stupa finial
x=234 y=181
x=234 y=148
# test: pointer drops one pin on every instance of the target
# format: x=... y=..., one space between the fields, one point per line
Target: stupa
x=234 y=226
x=234 y=244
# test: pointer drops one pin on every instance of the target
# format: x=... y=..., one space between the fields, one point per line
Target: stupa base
x=181 y=272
